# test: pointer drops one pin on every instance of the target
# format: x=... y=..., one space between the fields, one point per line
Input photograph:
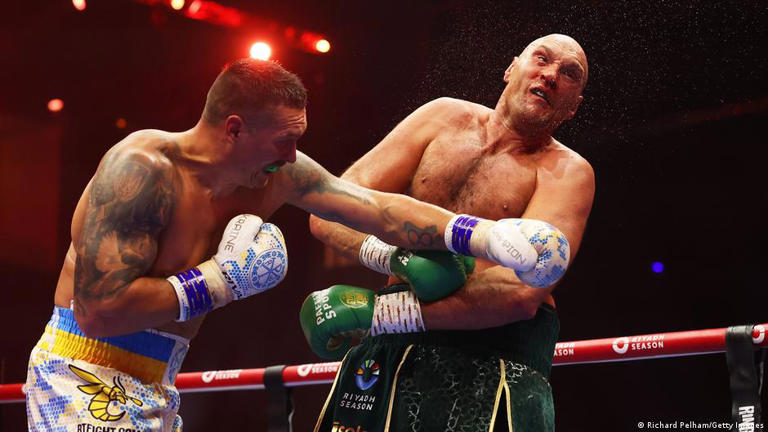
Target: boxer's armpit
x=131 y=199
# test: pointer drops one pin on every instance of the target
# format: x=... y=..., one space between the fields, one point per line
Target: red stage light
x=79 y=4
x=55 y=105
x=323 y=46
x=260 y=51
x=314 y=43
x=194 y=7
x=177 y=4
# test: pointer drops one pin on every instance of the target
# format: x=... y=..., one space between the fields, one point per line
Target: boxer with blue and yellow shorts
x=123 y=383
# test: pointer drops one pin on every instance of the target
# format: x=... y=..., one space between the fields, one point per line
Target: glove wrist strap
x=376 y=254
x=459 y=232
x=220 y=290
x=398 y=312
x=192 y=292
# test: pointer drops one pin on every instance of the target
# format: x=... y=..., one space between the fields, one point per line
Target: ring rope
x=623 y=348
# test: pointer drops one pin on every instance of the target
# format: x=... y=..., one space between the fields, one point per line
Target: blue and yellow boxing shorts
x=118 y=384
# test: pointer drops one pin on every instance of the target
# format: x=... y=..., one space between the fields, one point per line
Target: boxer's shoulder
x=561 y=154
x=153 y=149
x=562 y=162
x=457 y=112
x=137 y=173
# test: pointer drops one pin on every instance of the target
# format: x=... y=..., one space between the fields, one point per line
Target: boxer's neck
x=504 y=135
x=208 y=156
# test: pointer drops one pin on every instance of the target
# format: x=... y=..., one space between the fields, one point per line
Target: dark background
x=671 y=122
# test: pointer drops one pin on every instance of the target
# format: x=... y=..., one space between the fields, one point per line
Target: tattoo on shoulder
x=130 y=202
x=422 y=237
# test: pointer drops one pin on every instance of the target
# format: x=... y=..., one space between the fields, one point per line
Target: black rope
x=743 y=367
x=279 y=404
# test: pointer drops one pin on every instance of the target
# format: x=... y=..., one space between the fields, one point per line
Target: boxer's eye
x=572 y=74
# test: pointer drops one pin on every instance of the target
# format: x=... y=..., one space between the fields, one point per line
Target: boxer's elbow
x=92 y=324
x=95 y=318
x=526 y=306
x=517 y=308
x=526 y=310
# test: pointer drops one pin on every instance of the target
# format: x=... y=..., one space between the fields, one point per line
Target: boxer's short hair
x=249 y=88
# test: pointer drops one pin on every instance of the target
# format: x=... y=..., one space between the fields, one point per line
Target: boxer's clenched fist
x=537 y=251
x=251 y=258
x=332 y=318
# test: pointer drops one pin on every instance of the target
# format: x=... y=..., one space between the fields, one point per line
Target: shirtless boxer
x=125 y=308
x=482 y=359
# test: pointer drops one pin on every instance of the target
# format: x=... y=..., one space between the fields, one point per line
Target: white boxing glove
x=553 y=250
x=500 y=242
x=537 y=251
x=251 y=258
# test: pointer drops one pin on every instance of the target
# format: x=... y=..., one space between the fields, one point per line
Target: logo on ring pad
x=367 y=374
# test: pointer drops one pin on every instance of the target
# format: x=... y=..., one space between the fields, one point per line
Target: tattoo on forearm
x=130 y=202
x=422 y=237
x=310 y=179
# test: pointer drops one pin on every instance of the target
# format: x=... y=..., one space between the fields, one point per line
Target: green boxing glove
x=332 y=318
x=432 y=275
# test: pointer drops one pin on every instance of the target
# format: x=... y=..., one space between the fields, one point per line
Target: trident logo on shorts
x=367 y=374
x=104 y=395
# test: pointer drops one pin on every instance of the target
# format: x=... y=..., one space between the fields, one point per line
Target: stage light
x=177 y=4
x=657 y=267
x=79 y=4
x=121 y=123
x=55 y=105
x=313 y=43
x=323 y=46
x=194 y=7
x=260 y=51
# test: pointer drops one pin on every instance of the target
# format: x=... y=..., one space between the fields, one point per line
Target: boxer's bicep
x=129 y=203
x=391 y=164
x=564 y=199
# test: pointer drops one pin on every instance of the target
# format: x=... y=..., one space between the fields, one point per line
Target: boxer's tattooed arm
x=397 y=219
x=130 y=202
x=423 y=238
x=308 y=180
x=307 y=177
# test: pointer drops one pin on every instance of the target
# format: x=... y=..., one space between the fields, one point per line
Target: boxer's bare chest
x=195 y=229
x=198 y=221
x=463 y=174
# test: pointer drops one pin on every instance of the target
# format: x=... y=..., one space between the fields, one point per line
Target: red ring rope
x=656 y=345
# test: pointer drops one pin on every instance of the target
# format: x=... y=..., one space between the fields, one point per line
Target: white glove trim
x=398 y=312
x=376 y=254
x=182 y=297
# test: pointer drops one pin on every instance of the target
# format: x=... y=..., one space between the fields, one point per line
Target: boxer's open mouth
x=273 y=167
x=540 y=93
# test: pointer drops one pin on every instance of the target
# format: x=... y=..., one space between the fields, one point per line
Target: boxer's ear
x=574 y=107
x=233 y=125
x=509 y=70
